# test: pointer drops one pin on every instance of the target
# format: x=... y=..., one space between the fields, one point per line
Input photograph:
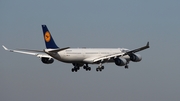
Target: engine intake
x=135 y=57
x=47 y=60
x=120 y=61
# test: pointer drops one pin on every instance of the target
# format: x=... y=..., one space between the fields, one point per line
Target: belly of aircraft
x=71 y=58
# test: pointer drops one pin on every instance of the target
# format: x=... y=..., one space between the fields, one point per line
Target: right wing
x=138 y=49
x=36 y=53
x=112 y=56
x=107 y=57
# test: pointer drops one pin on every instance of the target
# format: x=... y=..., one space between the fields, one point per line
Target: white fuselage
x=86 y=55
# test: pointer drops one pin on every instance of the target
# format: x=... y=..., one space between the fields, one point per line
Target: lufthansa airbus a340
x=81 y=57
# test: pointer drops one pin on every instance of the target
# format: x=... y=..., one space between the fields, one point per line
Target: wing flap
x=107 y=57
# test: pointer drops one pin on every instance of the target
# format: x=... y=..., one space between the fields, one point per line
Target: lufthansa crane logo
x=47 y=37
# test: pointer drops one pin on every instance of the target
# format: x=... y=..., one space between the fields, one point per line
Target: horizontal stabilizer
x=57 y=50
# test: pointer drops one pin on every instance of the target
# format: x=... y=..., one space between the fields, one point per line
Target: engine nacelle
x=135 y=57
x=120 y=61
x=47 y=60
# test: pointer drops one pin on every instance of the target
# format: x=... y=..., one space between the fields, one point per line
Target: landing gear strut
x=100 y=67
x=76 y=68
x=87 y=68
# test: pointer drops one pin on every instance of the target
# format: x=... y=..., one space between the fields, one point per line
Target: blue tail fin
x=48 y=38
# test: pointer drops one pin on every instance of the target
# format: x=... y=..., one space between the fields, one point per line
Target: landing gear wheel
x=126 y=67
x=97 y=69
x=75 y=69
x=72 y=69
x=88 y=68
x=102 y=67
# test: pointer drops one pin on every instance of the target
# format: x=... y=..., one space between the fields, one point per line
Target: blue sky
x=91 y=23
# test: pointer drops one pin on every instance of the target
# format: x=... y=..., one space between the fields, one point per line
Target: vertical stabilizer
x=48 y=38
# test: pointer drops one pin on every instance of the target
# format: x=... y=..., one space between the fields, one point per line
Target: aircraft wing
x=37 y=53
x=107 y=57
x=137 y=50
x=112 y=56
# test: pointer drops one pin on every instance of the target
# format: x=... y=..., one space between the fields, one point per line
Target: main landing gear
x=87 y=68
x=100 y=67
x=77 y=67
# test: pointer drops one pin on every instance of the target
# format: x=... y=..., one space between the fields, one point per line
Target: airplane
x=82 y=57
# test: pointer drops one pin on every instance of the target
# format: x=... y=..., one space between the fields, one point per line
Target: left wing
x=36 y=53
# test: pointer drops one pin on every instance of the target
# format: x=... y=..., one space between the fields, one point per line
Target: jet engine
x=47 y=60
x=120 y=61
x=135 y=57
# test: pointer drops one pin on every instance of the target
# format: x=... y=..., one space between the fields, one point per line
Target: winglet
x=147 y=45
x=7 y=48
x=4 y=47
